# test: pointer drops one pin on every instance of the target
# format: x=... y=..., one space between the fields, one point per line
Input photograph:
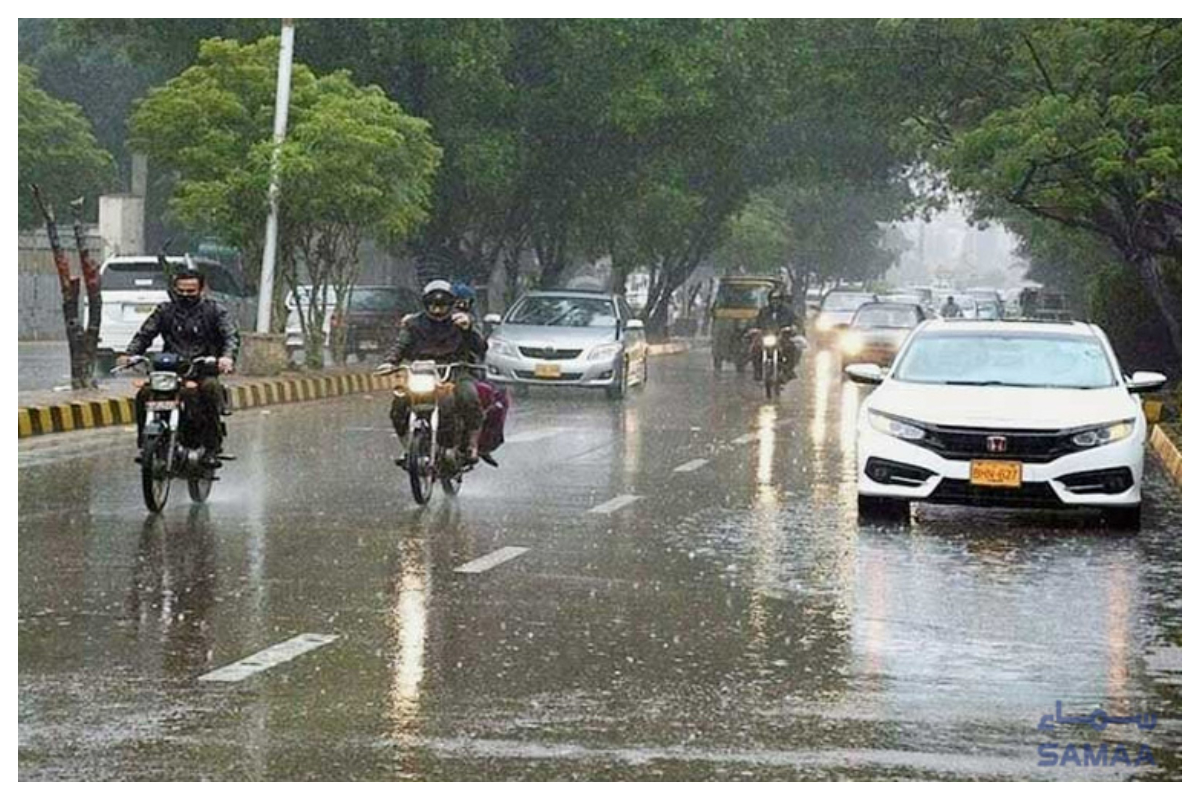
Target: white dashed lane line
x=492 y=559
x=265 y=659
x=746 y=438
x=692 y=465
x=616 y=504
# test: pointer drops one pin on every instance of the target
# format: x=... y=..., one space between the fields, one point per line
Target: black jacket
x=206 y=330
x=769 y=320
x=423 y=338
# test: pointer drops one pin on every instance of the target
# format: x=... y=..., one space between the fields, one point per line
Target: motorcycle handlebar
x=443 y=369
x=138 y=360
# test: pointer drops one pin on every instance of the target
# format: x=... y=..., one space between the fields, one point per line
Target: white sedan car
x=996 y=413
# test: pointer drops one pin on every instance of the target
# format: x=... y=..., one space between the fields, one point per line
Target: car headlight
x=1103 y=434
x=770 y=340
x=824 y=324
x=422 y=383
x=163 y=381
x=603 y=351
x=895 y=427
x=502 y=348
x=852 y=344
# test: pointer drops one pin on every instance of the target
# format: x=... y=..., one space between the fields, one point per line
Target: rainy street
x=675 y=586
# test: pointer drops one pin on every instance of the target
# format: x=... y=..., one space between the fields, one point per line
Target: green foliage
x=56 y=150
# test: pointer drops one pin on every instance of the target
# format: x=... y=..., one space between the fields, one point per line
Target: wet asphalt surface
x=734 y=621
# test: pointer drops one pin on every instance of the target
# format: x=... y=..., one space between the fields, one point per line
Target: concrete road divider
x=1167 y=453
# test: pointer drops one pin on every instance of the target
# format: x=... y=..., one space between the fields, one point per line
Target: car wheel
x=1124 y=518
x=617 y=390
x=883 y=509
x=645 y=370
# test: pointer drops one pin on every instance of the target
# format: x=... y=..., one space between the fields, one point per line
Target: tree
x=353 y=164
x=55 y=150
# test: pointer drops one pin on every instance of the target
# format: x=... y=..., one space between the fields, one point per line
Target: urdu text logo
x=1054 y=754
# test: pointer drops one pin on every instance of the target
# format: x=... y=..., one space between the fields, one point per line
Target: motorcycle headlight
x=163 y=381
x=502 y=348
x=603 y=351
x=895 y=427
x=852 y=344
x=824 y=324
x=770 y=340
x=422 y=384
x=1103 y=434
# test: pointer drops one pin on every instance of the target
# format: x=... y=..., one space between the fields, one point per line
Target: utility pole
x=283 y=89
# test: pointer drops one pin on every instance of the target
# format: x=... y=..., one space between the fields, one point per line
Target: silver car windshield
x=565 y=312
x=1006 y=359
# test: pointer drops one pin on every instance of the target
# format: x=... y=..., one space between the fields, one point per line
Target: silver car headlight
x=895 y=427
x=1103 y=434
x=605 y=351
x=163 y=381
x=502 y=348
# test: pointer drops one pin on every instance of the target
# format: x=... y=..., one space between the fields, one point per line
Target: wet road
x=686 y=594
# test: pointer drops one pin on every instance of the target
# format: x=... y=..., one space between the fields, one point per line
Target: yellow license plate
x=547 y=371
x=996 y=473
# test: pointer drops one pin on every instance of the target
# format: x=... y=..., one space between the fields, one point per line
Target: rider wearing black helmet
x=191 y=326
x=773 y=318
x=444 y=335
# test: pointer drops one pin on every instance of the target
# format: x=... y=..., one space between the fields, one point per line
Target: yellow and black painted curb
x=1167 y=453
x=81 y=415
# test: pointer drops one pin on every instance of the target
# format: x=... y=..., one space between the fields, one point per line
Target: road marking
x=617 y=503
x=493 y=559
x=746 y=438
x=532 y=436
x=692 y=465
x=273 y=656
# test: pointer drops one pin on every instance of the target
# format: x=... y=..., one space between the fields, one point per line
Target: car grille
x=549 y=353
x=964 y=444
x=953 y=491
x=566 y=376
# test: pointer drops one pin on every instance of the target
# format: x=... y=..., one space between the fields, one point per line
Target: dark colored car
x=373 y=317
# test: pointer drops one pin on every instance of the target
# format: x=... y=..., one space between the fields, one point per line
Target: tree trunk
x=91 y=280
x=70 y=295
x=1169 y=305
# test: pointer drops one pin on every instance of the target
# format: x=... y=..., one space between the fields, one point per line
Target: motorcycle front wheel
x=156 y=482
x=200 y=485
x=420 y=465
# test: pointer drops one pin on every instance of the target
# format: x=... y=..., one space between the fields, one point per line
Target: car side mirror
x=635 y=325
x=492 y=319
x=870 y=374
x=1146 y=382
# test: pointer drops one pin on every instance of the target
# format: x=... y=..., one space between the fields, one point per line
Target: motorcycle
x=169 y=448
x=424 y=383
x=770 y=358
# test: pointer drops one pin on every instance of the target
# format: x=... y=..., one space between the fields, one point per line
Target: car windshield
x=375 y=300
x=988 y=310
x=733 y=295
x=885 y=317
x=998 y=358
x=147 y=276
x=565 y=312
x=845 y=302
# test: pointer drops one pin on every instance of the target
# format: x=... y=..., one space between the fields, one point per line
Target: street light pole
x=283 y=89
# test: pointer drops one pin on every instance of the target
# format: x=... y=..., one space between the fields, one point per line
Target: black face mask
x=188 y=302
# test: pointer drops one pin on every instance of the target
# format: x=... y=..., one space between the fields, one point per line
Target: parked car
x=568 y=338
x=878 y=330
x=837 y=310
x=1003 y=413
x=131 y=287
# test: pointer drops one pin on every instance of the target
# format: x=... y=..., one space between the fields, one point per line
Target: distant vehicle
x=738 y=301
x=1006 y=413
x=878 y=331
x=1045 y=304
x=989 y=309
x=567 y=338
x=838 y=308
x=981 y=294
x=371 y=321
x=131 y=287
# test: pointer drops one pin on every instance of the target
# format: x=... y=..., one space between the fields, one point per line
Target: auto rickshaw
x=734 y=310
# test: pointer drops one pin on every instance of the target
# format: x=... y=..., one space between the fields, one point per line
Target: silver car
x=568 y=338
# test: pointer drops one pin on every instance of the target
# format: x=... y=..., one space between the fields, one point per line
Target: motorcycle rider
x=191 y=326
x=951 y=309
x=443 y=335
x=776 y=315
